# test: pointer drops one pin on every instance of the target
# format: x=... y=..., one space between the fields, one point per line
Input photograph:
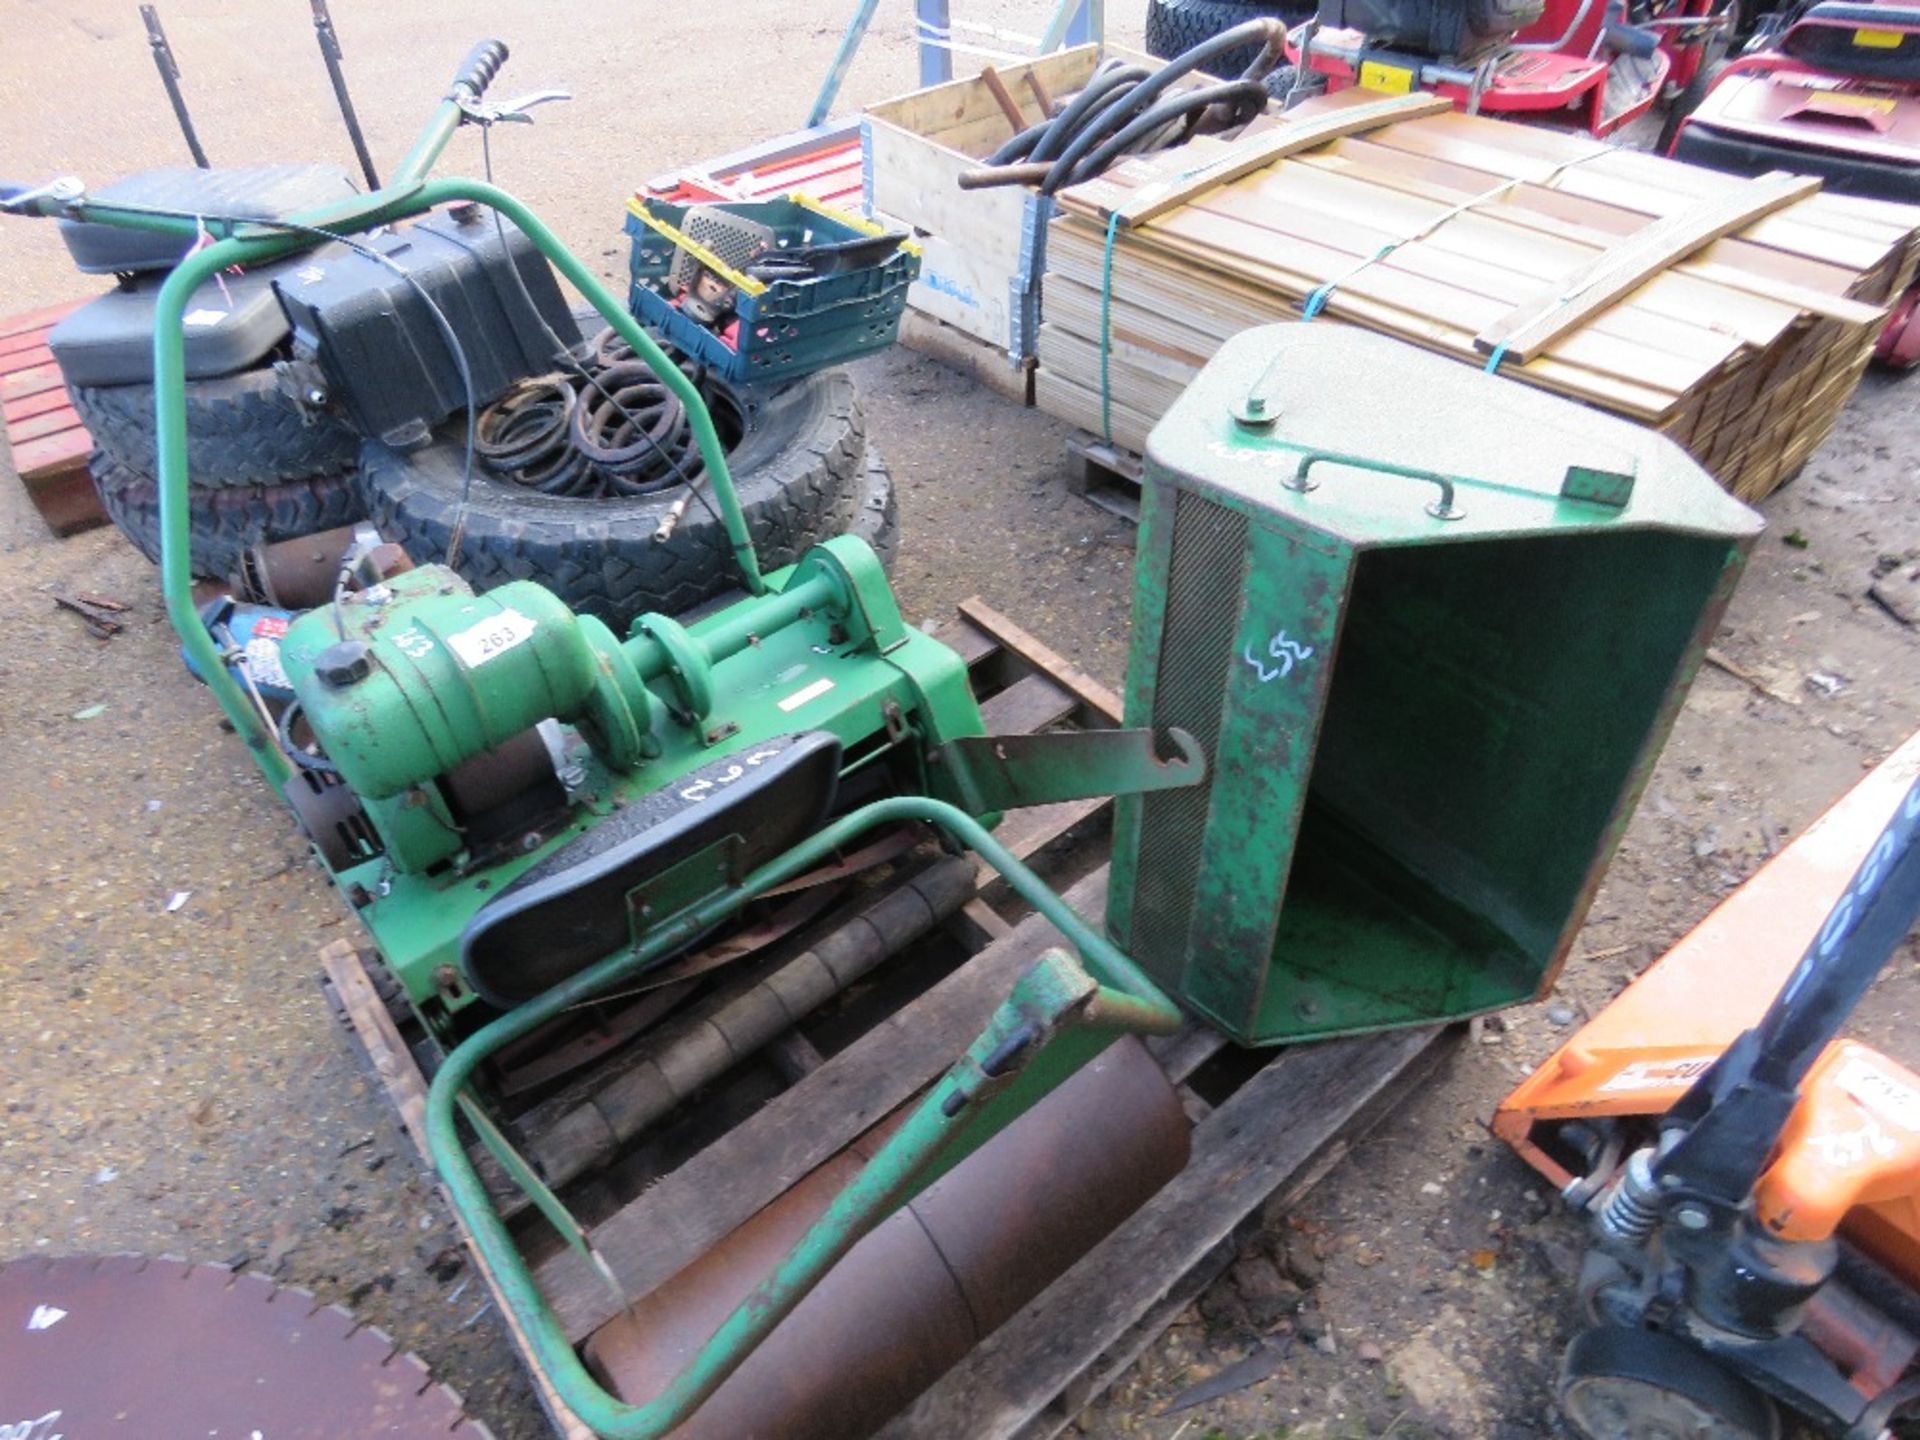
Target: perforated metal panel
x=730 y=238
x=1204 y=586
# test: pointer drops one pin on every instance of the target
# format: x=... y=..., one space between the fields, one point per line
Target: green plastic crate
x=787 y=328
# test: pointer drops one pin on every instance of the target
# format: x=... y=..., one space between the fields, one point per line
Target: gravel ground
x=176 y=1083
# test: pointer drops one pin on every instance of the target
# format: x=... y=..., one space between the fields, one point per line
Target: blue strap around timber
x=1106 y=330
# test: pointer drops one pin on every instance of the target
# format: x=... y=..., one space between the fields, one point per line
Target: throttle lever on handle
x=515 y=109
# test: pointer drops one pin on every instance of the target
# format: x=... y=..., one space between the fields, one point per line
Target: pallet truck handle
x=1722 y=1133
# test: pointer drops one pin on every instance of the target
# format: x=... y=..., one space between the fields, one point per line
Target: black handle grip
x=483 y=62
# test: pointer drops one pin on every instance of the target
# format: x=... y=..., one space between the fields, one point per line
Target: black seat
x=574 y=907
x=256 y=192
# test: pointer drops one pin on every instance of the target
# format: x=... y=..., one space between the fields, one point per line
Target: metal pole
x=933 y=21
x=330 y=52
x=842 y=61
x=169 y=70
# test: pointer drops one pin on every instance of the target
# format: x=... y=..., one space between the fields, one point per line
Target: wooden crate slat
x=28 y=406
x=54 y=452
x=37 y=380
x=52 y=421
x=45 y=318
x=29 y=357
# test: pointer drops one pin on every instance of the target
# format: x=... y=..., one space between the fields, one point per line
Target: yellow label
x=1389 y=79
x=1832 y=101
x=1878 y=39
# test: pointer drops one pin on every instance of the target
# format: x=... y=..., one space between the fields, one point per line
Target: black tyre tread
x=241 y=431
x=224 y=523
x=798 y=471
x=878 y=522
x=1176 y=26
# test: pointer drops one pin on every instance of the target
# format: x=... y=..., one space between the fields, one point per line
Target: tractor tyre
x=798 y=468
x=225 y=523
x=241 y=432
x=1176 y=26
x=878 y=522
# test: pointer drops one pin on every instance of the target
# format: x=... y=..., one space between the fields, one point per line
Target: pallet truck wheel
x=1623 y=1384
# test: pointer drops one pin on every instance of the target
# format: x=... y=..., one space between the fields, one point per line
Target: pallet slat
x=1242 y=1153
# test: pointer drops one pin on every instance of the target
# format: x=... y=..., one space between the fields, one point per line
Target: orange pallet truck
x=1753 y=1180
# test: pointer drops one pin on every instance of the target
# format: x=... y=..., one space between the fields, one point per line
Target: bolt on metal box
x=1431 y=628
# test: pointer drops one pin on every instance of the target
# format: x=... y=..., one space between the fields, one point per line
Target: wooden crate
x=1278 y=1126
x=1734 y=315
x=50 y=446
x=916 y=146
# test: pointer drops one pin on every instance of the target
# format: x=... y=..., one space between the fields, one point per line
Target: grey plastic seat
x=257 y=192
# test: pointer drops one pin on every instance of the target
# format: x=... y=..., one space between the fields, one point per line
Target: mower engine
x=497 y=762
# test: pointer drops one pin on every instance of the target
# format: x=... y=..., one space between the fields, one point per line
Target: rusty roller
x=704 y=1046
x=912 y=1298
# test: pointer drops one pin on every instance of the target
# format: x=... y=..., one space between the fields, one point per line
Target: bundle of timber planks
x=1733 y=314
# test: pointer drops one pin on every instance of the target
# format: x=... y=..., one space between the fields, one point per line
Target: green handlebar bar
x=1121 y=1000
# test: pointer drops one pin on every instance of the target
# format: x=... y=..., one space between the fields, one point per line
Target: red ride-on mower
x=1833 y=90
x=1592 y=64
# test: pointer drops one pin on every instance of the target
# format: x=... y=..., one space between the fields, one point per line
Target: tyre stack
x=259 y=469
x=801 y=467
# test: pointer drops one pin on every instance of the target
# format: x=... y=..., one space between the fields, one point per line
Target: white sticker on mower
x=203 y=319
x=805 y=693
x=491 y=638
x=40 y=1429
x=1659 y=1074
x=1885 y=1095
x=45 y=1317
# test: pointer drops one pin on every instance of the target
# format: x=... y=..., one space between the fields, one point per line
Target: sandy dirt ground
x=173 y=1081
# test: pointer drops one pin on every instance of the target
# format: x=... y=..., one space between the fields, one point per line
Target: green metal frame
x=1060 y=1015
x=409 y=193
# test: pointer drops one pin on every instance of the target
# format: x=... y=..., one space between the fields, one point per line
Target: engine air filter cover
x=1431 y=627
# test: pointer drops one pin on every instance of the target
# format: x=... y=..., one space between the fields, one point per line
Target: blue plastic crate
x=786 y=327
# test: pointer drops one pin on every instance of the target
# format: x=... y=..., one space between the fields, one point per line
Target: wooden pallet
x=49 y=444
x=1108 y=474
x=1274 y=1134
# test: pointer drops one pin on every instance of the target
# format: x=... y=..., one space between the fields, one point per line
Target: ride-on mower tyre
x=241 y=431
x=1176 y=26
x=799 y=469
x=224 y=523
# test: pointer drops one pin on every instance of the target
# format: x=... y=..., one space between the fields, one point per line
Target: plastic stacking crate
x=784 y=328
x=1431 y=628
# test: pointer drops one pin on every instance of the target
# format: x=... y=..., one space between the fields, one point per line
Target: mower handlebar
x=476 y=72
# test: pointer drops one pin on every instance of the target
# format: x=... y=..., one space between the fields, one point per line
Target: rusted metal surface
x=300 y=574
x=545 y=1055
x=921 y=1290
x=711 y=1041
x=127 y=1345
